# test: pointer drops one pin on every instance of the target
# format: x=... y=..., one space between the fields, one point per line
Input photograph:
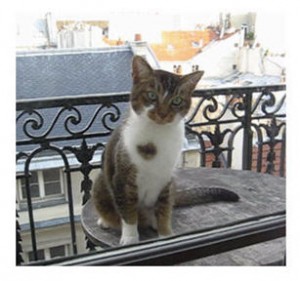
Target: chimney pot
x=137 y=37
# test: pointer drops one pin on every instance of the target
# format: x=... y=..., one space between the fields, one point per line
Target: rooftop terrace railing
x=240 y=127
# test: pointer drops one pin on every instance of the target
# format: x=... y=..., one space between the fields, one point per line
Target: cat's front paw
x=165 y=233
x=126 y=240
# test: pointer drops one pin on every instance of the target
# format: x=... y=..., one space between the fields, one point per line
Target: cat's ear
x=191 y=80
x=140 y=69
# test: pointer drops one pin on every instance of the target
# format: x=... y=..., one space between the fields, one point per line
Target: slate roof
x=74 y=72
x=54 y=73
x=64 y=73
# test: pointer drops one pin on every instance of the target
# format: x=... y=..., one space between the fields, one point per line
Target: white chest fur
x=154 y=174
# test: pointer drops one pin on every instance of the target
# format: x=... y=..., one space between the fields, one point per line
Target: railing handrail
x=233 y=90
x=74 y=100
x=187 y=246
x=39 y=103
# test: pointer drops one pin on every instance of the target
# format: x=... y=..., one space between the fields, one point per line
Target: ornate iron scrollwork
x=217 y=139
x=84 y=154
x=68 y=121
x=239 y=110
x=273 y=131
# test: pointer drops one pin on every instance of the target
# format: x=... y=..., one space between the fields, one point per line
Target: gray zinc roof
x=54 y=73
x=73 y=72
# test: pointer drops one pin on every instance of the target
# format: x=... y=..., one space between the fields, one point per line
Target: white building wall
x=59 y=234
x=270 y=31
x=81 y=36
x=218 y=58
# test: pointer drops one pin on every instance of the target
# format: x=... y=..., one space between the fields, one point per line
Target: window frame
x=47 y=253
x=41 y=185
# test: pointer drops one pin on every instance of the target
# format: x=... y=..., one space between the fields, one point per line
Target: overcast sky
x=270 y=28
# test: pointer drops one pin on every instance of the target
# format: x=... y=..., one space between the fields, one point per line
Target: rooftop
x=181 y=45
x=53 y=73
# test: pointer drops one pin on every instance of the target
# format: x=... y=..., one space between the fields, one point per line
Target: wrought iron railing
x=78 y=127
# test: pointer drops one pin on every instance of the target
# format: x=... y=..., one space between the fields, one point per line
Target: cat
x=135 y=186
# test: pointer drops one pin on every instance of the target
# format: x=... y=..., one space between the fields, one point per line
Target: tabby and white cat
x=135 y=186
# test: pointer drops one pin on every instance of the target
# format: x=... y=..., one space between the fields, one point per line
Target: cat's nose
x=162 y=114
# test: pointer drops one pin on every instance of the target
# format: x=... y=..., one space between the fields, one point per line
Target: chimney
x=137 y=37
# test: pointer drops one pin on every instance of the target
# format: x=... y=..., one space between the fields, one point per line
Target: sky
x=124 y=24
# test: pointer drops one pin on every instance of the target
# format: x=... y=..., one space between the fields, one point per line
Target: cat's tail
x=194 y=196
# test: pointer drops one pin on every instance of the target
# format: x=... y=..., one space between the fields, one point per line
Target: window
x=40 y=254
x=52 y=182
x=43 y=184
x=34 y=186
x=58 y=251
x=49 y=253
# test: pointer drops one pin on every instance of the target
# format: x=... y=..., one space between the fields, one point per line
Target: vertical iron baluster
x=202 y=158
x=71 y=209
x=202 y=151
x=30 y=213
x=90 y=245
x=272 y=131
x=282 y=155
x=248 y=134
x=19 y=250
x=84 y=154
x=270 y=160
x=259 y=156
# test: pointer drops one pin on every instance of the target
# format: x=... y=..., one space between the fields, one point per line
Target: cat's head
x=161 y=96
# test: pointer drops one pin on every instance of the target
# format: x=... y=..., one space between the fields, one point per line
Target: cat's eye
x=152 y=96
x=177 y=101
